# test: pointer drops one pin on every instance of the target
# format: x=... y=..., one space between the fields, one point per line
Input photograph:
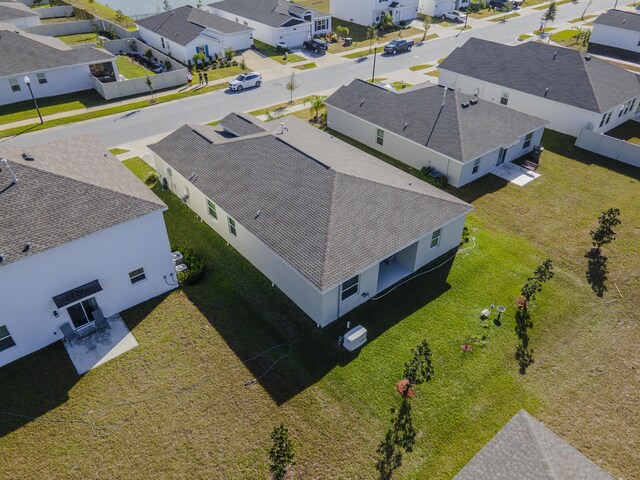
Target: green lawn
x=524 y=36
x=218 y=73
x=118 y=151
x=364 y=53
x=563 y=35
x=359 y=35
x=415 y=68
x=586 y=17
x=129 y=69
x=321 y=5
x=271 y=52
x=503 y=17
x=400 y=85
x=78 y=38
x=102 y=11
x=306 y=66
x=178 y=403
x=546 y=5
x=629 y=131
x=434 y=73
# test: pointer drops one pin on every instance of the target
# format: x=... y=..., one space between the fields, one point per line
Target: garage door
x=295 y=38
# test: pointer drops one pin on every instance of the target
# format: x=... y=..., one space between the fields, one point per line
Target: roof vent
x=465 y=105
x=362 y=102
x=473 y=101
x=546 y=90
x=193 y=177
x=28 y=157
x=258 y=213
x=27 y=247
x=554 y=55
x=624 y=20
x=587 y=57
x=405 y=126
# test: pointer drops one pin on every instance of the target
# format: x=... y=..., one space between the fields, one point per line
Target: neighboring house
x=616 y=34
x=430 y=126
x=436 y=8
x=328 y=224
x=368 y=12
x=571 y=89
x=185 y=31
x=78 y=232
x=18 y=14
x=526 y=449
x=275 y=21
x=52 y=67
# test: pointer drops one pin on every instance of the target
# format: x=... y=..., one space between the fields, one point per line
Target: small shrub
x=151 y=178
x=476 y=6
x=243 y=64
x=466 y=235
x=192 y=260
x=433 y=177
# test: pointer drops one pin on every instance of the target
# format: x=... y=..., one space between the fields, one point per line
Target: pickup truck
x=399 y=45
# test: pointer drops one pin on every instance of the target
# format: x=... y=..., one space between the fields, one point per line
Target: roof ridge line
x=583 y=61
x=329 y=229
x=529 y=427
x=457 y=110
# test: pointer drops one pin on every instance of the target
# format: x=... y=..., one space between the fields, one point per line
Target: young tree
x=119 y=17
x=342 y=31
x=229 y=53
x=506 y=8
x=316 y=104
x=426 y=23
x=292 y=85
x=150 y=87
x=386 y=21
x=533 y=285
x=604 y=233
x=419 y=369
x=372 y=34
x=281 y=453
x=549 y=15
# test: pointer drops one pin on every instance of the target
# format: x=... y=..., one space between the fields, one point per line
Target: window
x=212 y=209
x=380 y=137
x=137 y=276
x=349 y=288
x=15 y=86
x=162 y=40
x=42 y=79
x=604 y=117
x=321 y=24
x=232 y=227
x=527 y=140
x=5 y=339
x=246 y=24
x=476 y=165
x=608 y=117
x=504 y=99
x=435 y=238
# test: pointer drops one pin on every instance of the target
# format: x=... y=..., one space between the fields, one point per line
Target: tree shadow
x=596 y=271
x=524 y=353
x=400 y=436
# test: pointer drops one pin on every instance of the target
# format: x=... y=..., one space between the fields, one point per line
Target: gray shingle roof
x=73 y=188
x=462 y=133
x=11 y=10
x=24 y=54
x=527 y=450
x=620 y=19
x=327 y=208
x=183 y=25
x=240 y=125
x=572 y=77
x=275 y=13
x=75 y=294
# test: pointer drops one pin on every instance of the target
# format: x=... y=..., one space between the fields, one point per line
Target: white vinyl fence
x=609 y=147
x=81 y=26
x=54 y=12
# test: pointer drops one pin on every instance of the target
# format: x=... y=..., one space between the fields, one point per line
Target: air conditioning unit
x=355 y=338
x=177 y=258
x=181 y=268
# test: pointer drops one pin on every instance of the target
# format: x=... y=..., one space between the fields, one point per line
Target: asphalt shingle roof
x=24 y=54
x=11 y=10
x=241 y=125
x=527 y=450
x=327 y=208
x=275 y=13
x=570 y=76
x=620 y=19
x=73 y=188
x=183 y=25
x=462 y=133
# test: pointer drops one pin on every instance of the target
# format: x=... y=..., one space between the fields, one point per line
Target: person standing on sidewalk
x=206 y=78
x=189 y=79
x=200 y=78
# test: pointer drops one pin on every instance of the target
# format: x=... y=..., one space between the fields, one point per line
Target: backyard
x=128 y=68
x=179 y=403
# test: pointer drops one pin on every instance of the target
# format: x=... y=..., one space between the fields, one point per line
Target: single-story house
x=52 y=67
x=571 y=89
x=78 y=233
x=18 y=14
x=458 y=135
x=368 y=12
x=525 y=448
x=185 y=31
x=616 y=34
x=275 y=22
x=436 y=8
x=328 y=224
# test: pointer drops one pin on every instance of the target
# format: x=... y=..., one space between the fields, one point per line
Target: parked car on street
x=246 y=80
x=398 y=45
x=316 y=44
x=499 y=4
x=455 y=16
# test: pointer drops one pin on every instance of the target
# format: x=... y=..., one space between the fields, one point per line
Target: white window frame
x=435 y=237
x=476 y=166
x=15 y=85
x=4 y=337
x=212 y=208
x=233 y=230
x=380 y=137
x=527 y=140
x=42 y=78
x=349 y=290
x=137 y=276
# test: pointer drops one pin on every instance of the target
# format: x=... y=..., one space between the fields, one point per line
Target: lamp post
x=27 y=80
x=375 y=51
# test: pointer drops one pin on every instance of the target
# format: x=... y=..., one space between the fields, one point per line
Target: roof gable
x=275 y=13
x=620 y=19
x=11 y=11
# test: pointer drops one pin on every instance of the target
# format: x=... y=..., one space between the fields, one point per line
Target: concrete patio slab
x=93 y=350
x=515 y=174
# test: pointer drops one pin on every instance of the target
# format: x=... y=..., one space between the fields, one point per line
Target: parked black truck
x=398 y=45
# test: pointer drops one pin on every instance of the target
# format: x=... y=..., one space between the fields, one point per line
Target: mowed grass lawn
x=177 y=405
x=129 y=69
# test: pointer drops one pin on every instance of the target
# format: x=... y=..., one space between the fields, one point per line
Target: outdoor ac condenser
x=355 y=338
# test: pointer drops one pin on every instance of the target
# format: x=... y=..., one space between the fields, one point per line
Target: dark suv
x=498 y=4
x=316 y=44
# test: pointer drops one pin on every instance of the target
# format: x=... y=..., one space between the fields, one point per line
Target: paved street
x=152 y=121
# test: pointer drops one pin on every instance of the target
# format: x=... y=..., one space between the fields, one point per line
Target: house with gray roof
x=52 y=67
x=616 y=34
x=458 y=135
x=370 y=12
x=328 y=224
x=571 y=89
x=526 y=449
x=78 y=233
x=275 y=22
x=183 y=32
x=18 y=14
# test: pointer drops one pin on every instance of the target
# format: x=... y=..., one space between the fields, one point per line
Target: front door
x=82 y=313
x=501 y=156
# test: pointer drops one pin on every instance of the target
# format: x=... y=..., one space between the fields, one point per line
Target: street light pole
x=27 y=80
x=375 y=51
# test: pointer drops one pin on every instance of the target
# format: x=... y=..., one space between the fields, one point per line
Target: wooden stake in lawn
x=291 y=86
x=281 y=453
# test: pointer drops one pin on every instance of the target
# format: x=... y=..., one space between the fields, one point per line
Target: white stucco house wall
x=616 y=33
x=327 y=224
x=369 y=12
x=78 y=232
x=52 y=67
x=275 y=21
x=458 y=135
x=437 y=8
x=571 y=89
x=185 y=31
x=18 y=14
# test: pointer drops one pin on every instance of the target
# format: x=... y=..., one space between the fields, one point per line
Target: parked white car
x=455 y=16
x=246 y=80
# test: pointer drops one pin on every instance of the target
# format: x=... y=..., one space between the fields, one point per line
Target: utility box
x=355 y=338
x=536 y=153
x=177 y=258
